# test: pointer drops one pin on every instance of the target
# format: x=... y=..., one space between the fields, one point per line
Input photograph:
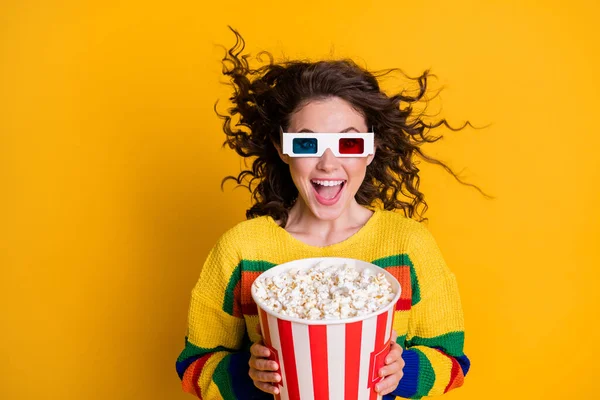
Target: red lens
x=351 y=146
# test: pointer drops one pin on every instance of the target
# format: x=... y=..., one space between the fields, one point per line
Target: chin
x=328 y=213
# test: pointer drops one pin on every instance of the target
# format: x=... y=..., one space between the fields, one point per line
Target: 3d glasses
x=308 y=144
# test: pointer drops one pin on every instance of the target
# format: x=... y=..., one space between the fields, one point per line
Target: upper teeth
x=328 y=183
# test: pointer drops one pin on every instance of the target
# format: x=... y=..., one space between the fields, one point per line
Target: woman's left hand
x=392 y=371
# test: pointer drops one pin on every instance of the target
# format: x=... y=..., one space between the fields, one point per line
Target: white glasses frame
x=327 y=141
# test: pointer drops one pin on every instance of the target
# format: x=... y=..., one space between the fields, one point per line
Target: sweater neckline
x=356 y=236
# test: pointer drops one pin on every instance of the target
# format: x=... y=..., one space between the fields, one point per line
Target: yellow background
x=110 y=164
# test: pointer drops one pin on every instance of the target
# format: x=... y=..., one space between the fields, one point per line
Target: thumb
x=394 y=335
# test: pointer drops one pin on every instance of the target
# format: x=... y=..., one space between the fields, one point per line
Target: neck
x=301 y=219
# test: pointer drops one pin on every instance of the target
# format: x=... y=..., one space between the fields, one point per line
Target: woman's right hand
x=261 y=368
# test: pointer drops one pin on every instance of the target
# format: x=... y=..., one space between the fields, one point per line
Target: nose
x=328 y=161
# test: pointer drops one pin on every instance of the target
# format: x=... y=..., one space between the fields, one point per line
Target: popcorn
x=324 y=291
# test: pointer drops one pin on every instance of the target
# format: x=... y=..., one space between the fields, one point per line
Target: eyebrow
x=344 y=131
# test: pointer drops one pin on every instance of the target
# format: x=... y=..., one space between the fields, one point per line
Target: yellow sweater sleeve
x=434 y=359
x=216 y=346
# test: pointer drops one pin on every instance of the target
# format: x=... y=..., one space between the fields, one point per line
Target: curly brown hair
x=264 y=99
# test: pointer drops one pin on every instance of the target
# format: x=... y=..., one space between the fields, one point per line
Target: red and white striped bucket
x=328 y=359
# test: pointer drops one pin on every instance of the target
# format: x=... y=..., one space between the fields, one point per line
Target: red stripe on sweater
x=237 y=312
x=456 y=375
x=403 y=304
x=192 y=375
x=402 y=274
x=250 y=309
x=248 y=304
x=318 y=357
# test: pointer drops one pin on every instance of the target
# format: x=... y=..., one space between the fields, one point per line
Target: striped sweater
x=223 y=317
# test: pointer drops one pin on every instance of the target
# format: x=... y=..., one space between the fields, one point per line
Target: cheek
x=356 y=169
x=301 y=168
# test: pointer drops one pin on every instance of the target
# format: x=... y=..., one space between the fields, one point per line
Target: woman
x=323 y=186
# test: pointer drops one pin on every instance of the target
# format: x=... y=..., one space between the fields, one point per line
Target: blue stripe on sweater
x=465 y=364
x=181 y=366
x=242 y=384
x=408 y=384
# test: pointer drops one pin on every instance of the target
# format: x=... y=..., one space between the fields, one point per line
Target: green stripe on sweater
x=256 y=266
x=222 y=379
x=400 y=340
x=191 y=350
x=426 y=374
x=229 y=298
x=452 y=343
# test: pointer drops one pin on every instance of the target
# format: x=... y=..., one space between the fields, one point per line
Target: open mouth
x=328 y=191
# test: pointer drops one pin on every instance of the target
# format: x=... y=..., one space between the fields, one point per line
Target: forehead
x=327 y=115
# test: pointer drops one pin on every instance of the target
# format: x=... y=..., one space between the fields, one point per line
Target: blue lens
x=304 y=146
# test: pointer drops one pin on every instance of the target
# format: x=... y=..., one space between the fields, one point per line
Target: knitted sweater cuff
x=408 y=385
x=242 y=384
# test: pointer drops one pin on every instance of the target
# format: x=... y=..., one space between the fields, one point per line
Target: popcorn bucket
x=328 y=359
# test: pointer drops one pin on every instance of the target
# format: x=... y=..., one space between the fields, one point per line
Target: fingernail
x=276 y=391
x=277 y=378
x=377 y=388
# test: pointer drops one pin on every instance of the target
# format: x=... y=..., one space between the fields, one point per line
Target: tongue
x=328 y=192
